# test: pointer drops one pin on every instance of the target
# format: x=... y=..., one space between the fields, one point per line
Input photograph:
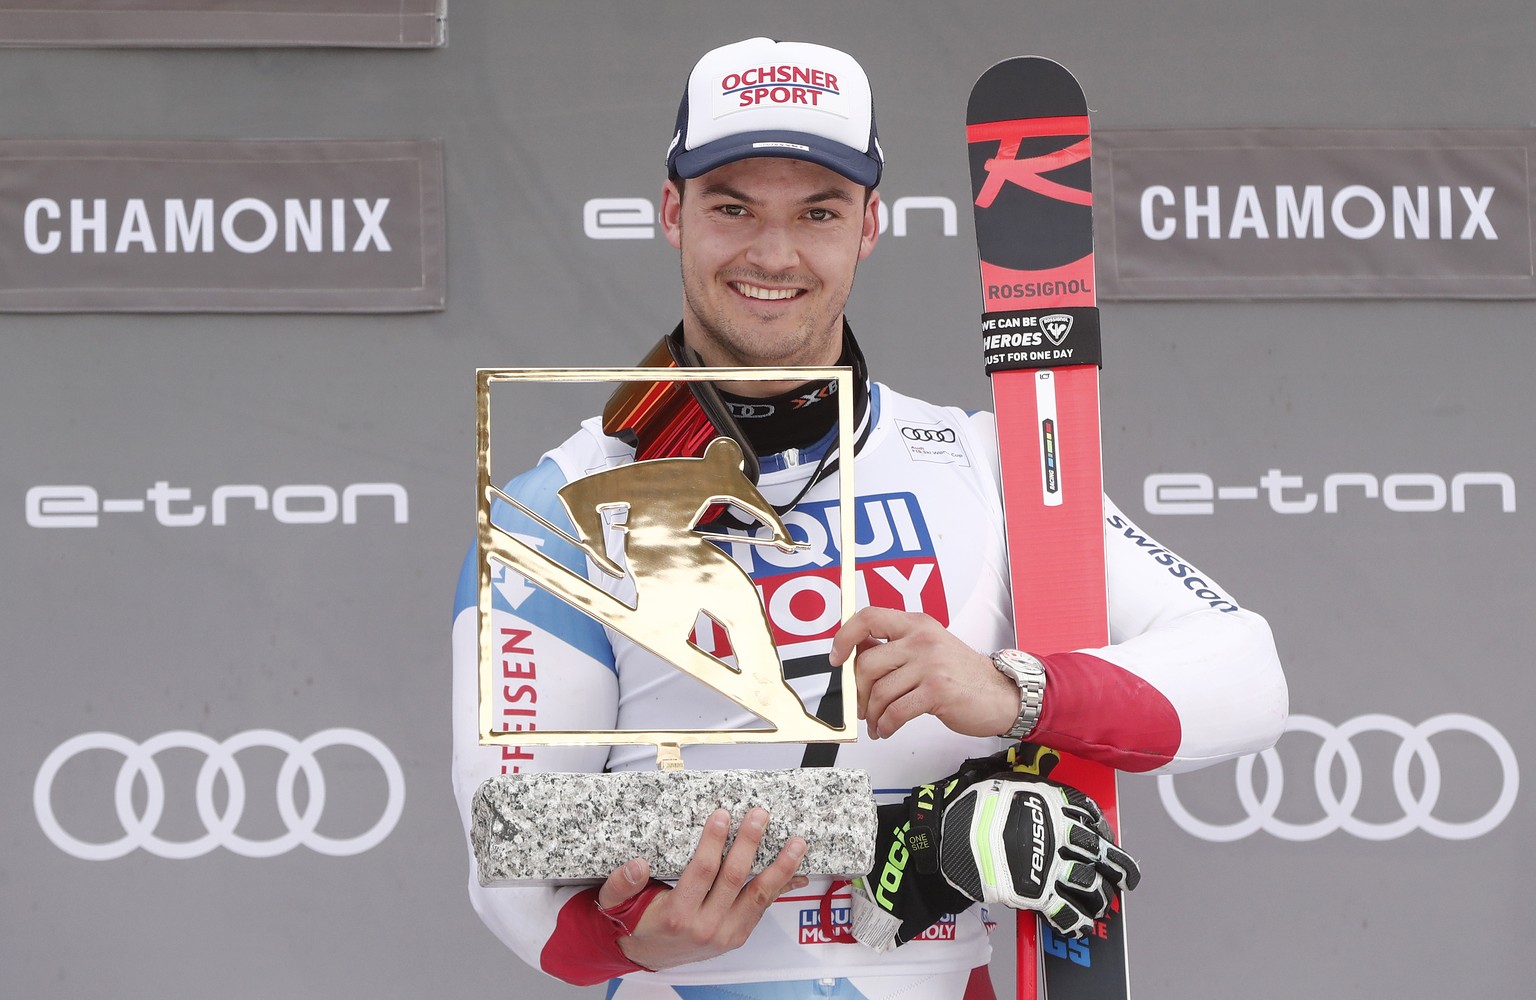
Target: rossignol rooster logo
x=1006 y=167
x=1056 y=326
x=1032 y=176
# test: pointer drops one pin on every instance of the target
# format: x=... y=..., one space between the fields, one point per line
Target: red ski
x=1029 y=141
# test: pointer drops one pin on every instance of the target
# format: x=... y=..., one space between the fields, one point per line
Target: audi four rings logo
x=219 y=827
x=1338 y=810
x=945 y=434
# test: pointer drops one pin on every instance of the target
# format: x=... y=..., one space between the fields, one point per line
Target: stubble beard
x=745 y=347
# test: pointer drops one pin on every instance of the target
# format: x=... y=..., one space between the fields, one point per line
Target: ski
x=1028 y=138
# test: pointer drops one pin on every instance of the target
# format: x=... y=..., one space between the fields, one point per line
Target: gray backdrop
x=1385 y=617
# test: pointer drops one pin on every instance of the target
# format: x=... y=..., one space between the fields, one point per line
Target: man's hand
x=716 y=902
x=910 y=665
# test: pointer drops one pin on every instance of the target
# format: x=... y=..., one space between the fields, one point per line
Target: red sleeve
x=584 y=949
x=1103 y=712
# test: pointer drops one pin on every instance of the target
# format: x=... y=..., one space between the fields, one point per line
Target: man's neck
x=712 y=357
x=799 y=415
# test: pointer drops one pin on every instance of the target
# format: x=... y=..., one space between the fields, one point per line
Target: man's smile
x=752 y=291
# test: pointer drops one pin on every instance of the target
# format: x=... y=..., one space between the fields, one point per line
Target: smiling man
x=770 y=200
x=769 y=247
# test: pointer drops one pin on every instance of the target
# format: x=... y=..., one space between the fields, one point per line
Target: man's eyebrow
x=719 y=189
x=723 y=190
x=831 y=194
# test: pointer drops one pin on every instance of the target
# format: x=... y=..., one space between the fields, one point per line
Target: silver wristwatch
x=1028 y=673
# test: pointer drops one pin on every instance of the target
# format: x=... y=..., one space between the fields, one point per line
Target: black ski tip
x=1025 y=87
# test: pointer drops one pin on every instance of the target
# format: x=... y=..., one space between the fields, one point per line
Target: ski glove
x=996 y=831
x=1034 y=845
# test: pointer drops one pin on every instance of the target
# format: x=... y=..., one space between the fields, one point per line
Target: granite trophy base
x=560 y=828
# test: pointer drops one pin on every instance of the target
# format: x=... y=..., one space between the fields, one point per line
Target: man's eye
x=821 y=214
x=734 y=211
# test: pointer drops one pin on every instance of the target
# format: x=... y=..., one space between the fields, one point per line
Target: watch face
x=1017 y=664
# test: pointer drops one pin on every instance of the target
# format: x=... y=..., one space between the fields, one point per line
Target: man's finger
x=888 y=714
x=698 y=876
x=624 y=882
x=875 y=666
x=852 y=633
x=773 y=881
x=866 y=624
x=736 y=870
x=869 y=630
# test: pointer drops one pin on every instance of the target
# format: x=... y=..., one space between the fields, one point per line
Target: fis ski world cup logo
x=896 y=568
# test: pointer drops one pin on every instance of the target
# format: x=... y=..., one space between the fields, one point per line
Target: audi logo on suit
x=942 y=434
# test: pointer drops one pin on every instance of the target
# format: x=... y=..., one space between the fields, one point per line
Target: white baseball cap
x=760 y=97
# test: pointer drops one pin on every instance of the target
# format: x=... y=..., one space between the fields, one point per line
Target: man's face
x=769 y=247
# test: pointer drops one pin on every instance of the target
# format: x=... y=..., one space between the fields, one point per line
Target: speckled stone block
x=576 y=828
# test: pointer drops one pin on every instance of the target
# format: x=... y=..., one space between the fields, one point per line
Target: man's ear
x=672 y=213
x=871 y=228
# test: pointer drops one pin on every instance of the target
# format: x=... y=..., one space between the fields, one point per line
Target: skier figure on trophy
x=678 y=571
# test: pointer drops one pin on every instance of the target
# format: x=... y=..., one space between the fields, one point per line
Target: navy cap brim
x=861 y=168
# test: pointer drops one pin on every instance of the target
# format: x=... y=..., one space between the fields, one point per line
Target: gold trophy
x=550 y=827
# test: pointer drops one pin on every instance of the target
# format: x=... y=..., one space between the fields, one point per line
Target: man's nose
x=773 y=249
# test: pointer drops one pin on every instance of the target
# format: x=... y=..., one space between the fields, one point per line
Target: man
x=770 y=201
